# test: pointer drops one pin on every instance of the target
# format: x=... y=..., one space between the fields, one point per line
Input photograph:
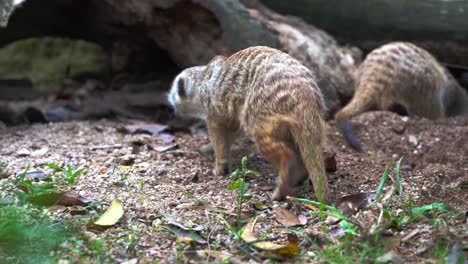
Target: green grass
x=45 y=60
x=27 y=236
x=362 y=245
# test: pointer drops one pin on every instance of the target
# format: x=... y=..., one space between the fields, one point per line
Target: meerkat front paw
x=221 y=169
x=282 y=191
x=277 y=195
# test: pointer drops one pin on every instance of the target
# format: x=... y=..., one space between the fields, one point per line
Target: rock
x=23 y=152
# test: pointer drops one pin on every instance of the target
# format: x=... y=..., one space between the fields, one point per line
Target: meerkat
x=271 y=98
x=403 y=78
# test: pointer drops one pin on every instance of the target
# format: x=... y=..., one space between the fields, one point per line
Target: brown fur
x=403 y=78
x=273 y=99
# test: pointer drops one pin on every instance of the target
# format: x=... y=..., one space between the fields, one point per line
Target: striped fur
x=402 y=77
x=269 y=96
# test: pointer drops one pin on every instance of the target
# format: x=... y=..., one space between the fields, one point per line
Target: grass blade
x=398 y=186
x=383 y=179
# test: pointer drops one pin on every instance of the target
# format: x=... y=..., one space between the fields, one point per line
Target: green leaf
x=78 y=172
x=52 y=166
x=235 y=184
x=418 y=211
x=244 y=186
x=252 y=172
x=234 y=174
x=347 y=228
x=21 y=177
x=257 y=204
x=244 y=163
x=383 y=179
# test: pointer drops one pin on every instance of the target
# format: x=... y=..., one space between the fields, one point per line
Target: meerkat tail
x=343 y=119
x=310 y=140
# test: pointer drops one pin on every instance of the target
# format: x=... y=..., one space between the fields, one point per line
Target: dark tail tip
x=347 y=128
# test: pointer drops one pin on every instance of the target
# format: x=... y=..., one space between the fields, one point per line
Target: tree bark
x=191 y=32
x=439 y=26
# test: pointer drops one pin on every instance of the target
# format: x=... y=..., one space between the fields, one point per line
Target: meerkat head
x=184 y=95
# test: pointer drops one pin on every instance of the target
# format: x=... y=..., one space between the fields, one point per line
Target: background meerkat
x=269 y=96
x=406 y=79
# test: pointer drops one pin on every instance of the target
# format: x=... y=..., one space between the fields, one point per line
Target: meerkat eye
x=181 y=87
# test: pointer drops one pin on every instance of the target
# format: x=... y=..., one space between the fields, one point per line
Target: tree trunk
x=440 y=26
x=191 y=32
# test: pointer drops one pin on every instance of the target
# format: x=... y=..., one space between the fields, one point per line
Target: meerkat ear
x=181 y=87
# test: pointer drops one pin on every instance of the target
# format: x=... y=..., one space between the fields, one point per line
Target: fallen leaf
x=162 y=149
x=124 y=168
x=351 y=204
x=336 y=231
x=111 y=215
x=65 y=199
x=330 y=162
x=23 y=153
x=40 y=152
x=267 y=187
x=286 y=218
x=190 y=206
x=248 y=235
x=311 y=207
x=410 y=235
x=191 y=228
x=106 y=146
x=145 y=128
x=204 y=253
x=35 y=175
x=302 y=219
x=188 y=237
x=390 y=257
x=165 y=138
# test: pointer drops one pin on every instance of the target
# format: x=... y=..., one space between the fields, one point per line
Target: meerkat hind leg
x=284 y=159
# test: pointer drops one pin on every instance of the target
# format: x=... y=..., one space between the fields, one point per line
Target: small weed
x=30 y=189
x=238 y=183
x=70 y=175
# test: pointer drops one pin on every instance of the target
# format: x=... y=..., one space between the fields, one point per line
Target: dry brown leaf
x=351 y=204
x=286 y=218
x=248 y=235
x=330 y=162
x=311 y=207
x=65 y=199
x=267 y=187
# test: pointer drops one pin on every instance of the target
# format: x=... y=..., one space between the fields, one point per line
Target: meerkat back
x=402 y=78
x=269 y=96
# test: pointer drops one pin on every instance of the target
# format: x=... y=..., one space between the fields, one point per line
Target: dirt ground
x=178 y=182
